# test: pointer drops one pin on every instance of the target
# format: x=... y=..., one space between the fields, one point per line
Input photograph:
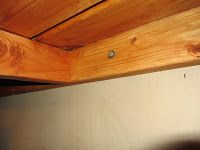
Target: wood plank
x=168 y=43
x=31 y=17
x=171 y=42
x=21 y=58
x=110 y=18
x=13 y=90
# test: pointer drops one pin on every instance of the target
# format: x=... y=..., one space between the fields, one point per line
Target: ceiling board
x=31 y=17
x=109 y=18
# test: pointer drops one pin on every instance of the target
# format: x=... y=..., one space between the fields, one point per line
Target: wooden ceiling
x=31 y=17
x=110 y=18
x=146 y=35
x=72 y=24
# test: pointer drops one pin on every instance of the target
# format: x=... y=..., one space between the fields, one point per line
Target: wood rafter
x=21 y=58
x=167 y=43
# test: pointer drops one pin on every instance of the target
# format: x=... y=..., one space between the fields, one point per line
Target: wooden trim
x=21 y=58
x=109 y=18
x=168 y=43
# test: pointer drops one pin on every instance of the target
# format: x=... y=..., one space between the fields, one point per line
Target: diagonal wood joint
x=164 y=44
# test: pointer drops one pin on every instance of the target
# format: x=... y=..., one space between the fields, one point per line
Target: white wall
x=139 y=112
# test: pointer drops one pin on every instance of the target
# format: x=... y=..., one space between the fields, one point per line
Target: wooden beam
x=110 y=18
x=168 y=43
x=21 y=58
x=31 y=17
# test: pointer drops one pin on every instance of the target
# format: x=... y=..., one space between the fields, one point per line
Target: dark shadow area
x=181 y=145
x=4 y=139
x=8 y=82
x=12 y=87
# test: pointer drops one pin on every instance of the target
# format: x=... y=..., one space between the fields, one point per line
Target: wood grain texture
x=168 y=43
x=110 y=18
x=21 y=58
x=14 y=90
x=31 y=17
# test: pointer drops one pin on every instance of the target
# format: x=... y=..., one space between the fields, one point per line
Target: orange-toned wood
x=109 y=18
x=31 y=17
x=168 y=43
x=21 y=58
x=13 y=90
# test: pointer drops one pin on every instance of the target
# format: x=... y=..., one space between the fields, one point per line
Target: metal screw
x=111 y=54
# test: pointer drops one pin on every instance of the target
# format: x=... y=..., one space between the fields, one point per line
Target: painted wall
x=142 y=112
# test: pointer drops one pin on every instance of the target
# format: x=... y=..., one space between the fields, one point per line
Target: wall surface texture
x=142 y=112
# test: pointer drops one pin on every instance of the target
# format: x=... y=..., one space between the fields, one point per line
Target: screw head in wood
x=111 y=54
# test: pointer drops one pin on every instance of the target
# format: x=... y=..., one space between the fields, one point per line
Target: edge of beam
x=24 y=59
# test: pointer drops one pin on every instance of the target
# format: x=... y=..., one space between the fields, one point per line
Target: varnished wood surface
x=31 y=17
x=21 y=58
x=168 y=43
x=110 y=18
